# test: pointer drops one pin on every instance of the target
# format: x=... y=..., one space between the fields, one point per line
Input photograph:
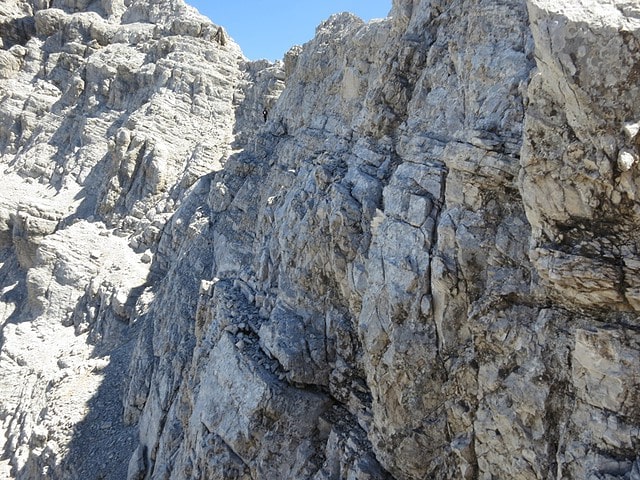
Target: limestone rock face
x=110 y=113
x=579 y=197
x=422 y=264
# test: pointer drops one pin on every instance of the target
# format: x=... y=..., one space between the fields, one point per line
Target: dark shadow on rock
x=13 y=288
x=102 y=444
x=17 y=31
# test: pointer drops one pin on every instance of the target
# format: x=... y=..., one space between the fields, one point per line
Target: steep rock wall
x=109 y=114
x=421 y=266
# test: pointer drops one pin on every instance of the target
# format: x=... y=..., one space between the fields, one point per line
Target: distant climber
x=220 y=37
x=265 y=114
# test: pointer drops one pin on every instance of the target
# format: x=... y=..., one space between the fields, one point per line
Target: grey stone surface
x=423 y=264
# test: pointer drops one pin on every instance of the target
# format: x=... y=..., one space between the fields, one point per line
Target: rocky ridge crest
x=422 y=265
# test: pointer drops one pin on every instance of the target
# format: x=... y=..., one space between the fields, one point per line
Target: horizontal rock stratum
x=423 y=264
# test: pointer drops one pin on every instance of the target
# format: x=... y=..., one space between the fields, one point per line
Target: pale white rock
x=626 y=159
x=631 y=129
x=423 y=264
x=73 y=281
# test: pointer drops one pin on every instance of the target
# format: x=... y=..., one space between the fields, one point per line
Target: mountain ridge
x=421 y=264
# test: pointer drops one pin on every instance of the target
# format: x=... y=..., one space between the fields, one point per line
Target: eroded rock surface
x=422 y=265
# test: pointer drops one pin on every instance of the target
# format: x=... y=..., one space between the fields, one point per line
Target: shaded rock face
x=421 y=265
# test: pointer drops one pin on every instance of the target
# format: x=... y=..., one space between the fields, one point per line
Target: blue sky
x=267 y=29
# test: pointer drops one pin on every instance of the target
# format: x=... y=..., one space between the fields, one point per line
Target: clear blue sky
x=268 y=28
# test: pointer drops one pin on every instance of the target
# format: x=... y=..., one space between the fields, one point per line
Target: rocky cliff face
x=422 y=265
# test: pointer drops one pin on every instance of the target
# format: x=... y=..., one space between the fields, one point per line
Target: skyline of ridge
x=269 y=30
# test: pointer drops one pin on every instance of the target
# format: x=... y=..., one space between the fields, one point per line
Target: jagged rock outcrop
x=421 y=265
x=109 y=114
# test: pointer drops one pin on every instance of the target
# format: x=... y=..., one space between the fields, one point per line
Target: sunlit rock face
x=421 y=264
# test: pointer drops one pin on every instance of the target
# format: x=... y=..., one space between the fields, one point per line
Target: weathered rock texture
x=422 y=265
